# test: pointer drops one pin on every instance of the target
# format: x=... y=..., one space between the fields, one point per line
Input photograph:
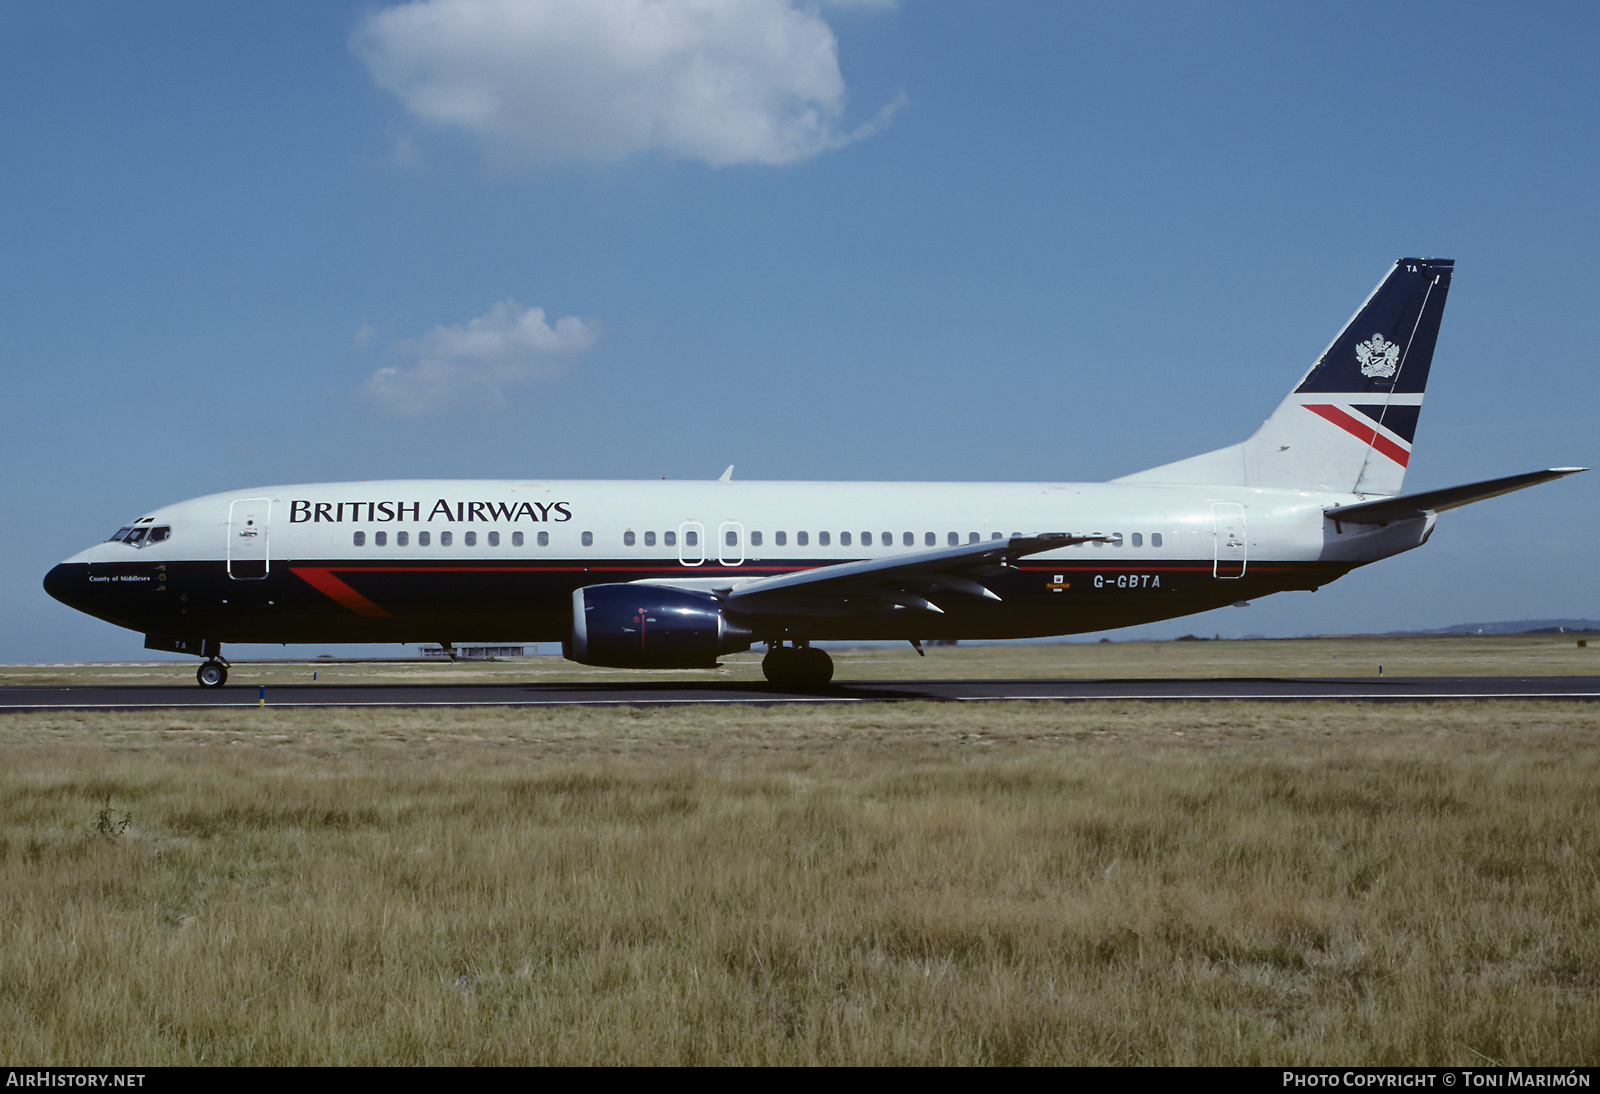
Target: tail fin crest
x=1349 y=424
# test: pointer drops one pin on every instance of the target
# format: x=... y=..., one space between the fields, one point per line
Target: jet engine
x=650 y=627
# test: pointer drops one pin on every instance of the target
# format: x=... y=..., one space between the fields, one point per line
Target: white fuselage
x=499 y=560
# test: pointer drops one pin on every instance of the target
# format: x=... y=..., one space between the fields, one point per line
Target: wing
x=904 y=581
x=873 y=585
x=1412 y=506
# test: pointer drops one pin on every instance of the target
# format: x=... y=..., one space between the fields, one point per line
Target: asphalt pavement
x=1367 y=689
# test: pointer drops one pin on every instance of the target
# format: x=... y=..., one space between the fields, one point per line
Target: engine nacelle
x=650 y=627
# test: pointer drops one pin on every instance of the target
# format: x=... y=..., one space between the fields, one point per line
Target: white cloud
x=472 y=365
x=548 y=81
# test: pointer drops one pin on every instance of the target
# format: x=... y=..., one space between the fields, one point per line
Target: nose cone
x=66 y=583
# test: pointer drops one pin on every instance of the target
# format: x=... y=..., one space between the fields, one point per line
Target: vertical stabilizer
x=1348 y=425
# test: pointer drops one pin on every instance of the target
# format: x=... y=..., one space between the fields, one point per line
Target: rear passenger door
x=1232 y=547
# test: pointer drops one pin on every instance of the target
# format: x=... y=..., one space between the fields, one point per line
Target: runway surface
x=1371 y=689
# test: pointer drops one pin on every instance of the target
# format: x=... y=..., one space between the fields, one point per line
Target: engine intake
x=650 y=627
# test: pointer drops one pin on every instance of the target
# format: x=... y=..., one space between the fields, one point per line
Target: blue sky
x=256 y=244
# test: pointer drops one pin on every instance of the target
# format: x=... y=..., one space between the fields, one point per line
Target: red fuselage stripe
x=324 y=582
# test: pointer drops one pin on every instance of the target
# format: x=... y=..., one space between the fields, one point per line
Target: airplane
x=658 y=574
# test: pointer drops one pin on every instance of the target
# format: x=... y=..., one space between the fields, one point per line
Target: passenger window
x=380 y=539
x=401 y=539
x=782 y=539
x=587 y=538
x=1099 y=544
x=1155 y=539
x=361 y=539
x=887 y=538
x=1116 y=539
x=1138 y=540
x=930 y=539
x=996 y=535
x=422 y=539
x=953 y=539
x=690 y=539
x=844 y=538
x=627 y=539
x=755 y=539
x=822 y=539
x=731 y=538
x=516 y=539
x=649 y=539
x=802 y=537
x=972 y=537
x=494 y=539
x=669 y=538
x=445 y=538
x=470 y=539
x=544 y=539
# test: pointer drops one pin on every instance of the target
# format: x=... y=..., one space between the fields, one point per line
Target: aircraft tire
x=779 y=667
x=803 y=668
x=816 y=667
x=212 y=674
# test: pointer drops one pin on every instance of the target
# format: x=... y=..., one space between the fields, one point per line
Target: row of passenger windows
x=846 y=539
x=446 y=539
x=691 y=538
x=1136 y=539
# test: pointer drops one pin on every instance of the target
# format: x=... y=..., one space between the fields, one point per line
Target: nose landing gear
x=801 y=667
x=214 y=672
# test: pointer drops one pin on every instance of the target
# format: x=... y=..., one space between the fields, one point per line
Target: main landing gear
x=797 y=666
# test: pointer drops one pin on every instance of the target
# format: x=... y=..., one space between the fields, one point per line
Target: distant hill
x=1520 y=626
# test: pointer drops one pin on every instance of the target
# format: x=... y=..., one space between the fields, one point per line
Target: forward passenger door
x=248 y=522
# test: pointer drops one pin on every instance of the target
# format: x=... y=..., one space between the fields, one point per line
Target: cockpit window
x=142 y=537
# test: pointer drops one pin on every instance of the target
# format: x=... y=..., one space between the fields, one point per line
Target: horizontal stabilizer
x=1412 y=506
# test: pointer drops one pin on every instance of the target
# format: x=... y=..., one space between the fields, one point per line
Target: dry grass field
x=1487 y=655
x=908 y=883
